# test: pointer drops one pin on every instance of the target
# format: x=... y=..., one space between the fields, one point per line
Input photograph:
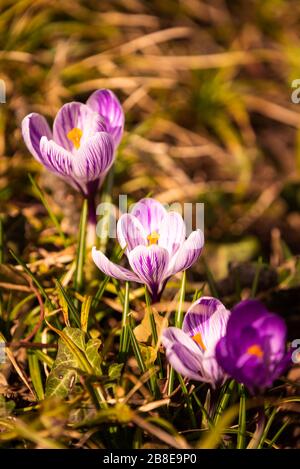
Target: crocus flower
x=81 y=148
x=253 y=351
x=191 y=350
x=155 y=245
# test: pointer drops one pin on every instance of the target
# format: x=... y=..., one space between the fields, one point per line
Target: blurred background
x=206 y=87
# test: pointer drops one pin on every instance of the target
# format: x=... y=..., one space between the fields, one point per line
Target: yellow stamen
x=255 y=350
x=75 y=136
x=153 y=238
x=198 y=339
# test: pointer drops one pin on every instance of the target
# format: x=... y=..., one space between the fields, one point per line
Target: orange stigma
x=153 y=238
x=75 y=136
x=255 y=350
x=198 y=339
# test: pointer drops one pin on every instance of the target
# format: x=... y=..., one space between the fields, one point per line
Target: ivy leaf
x=93 y=355
x=114 y=371
x=73 y=354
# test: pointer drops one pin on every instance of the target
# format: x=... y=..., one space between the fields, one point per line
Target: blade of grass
x=225 y=396
x=34 y=279
x=124 y=342
x=211 y=280
x=140 y=361
x=52 y=216
x=1 y=241
x=267 y=427
x=74 y=315
x=256 y=277
x=100 y=291
x=188 y=401
x=35 y=374
x=85 y=311
x=241 y=436
x=278 y=433
x=136 y=351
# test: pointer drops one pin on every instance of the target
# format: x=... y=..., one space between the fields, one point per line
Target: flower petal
x=150 y=213
x=55 y=158
x=130 y=232
x=172 y=232
x=111 y=269
x=245 y=313
x=274 y=329
x=172 y=335
x=188 y=253
x=209 y=317
x=34 y=127
x=182 y=353
x=150 y=264
x=76 y=115
x=94 y=158
x=105 y=103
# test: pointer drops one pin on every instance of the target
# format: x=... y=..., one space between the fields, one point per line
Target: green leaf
x=114 y=371
x=69 y=302
x=63 y=375
x=35 y=374
x=93 y=355
x=73 y=354
x=85 y=311
x=52 y=216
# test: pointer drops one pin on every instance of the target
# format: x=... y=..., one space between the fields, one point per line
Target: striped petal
x=94 y=158
x=130 y=232
x=105 y=103
x=150 y=264
x=111 y=269
x=150 y=213
x=182 y=353
x=55 y=158
x=34 y=127
x=76 y=116
x=188 y=253
x=207 y=317
x=172 y=232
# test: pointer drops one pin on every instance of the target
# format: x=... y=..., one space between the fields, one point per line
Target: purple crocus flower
x=191 y=350
x=253 y=351
x=81 y=148
x=155 y=245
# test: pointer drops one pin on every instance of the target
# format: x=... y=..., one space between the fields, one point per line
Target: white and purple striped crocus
x=81 y=147
x=191 y=350
x=155 y=244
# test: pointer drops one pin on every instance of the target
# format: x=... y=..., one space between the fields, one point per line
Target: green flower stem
x=153 y=331
x=80 y=258
x=178 y=323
